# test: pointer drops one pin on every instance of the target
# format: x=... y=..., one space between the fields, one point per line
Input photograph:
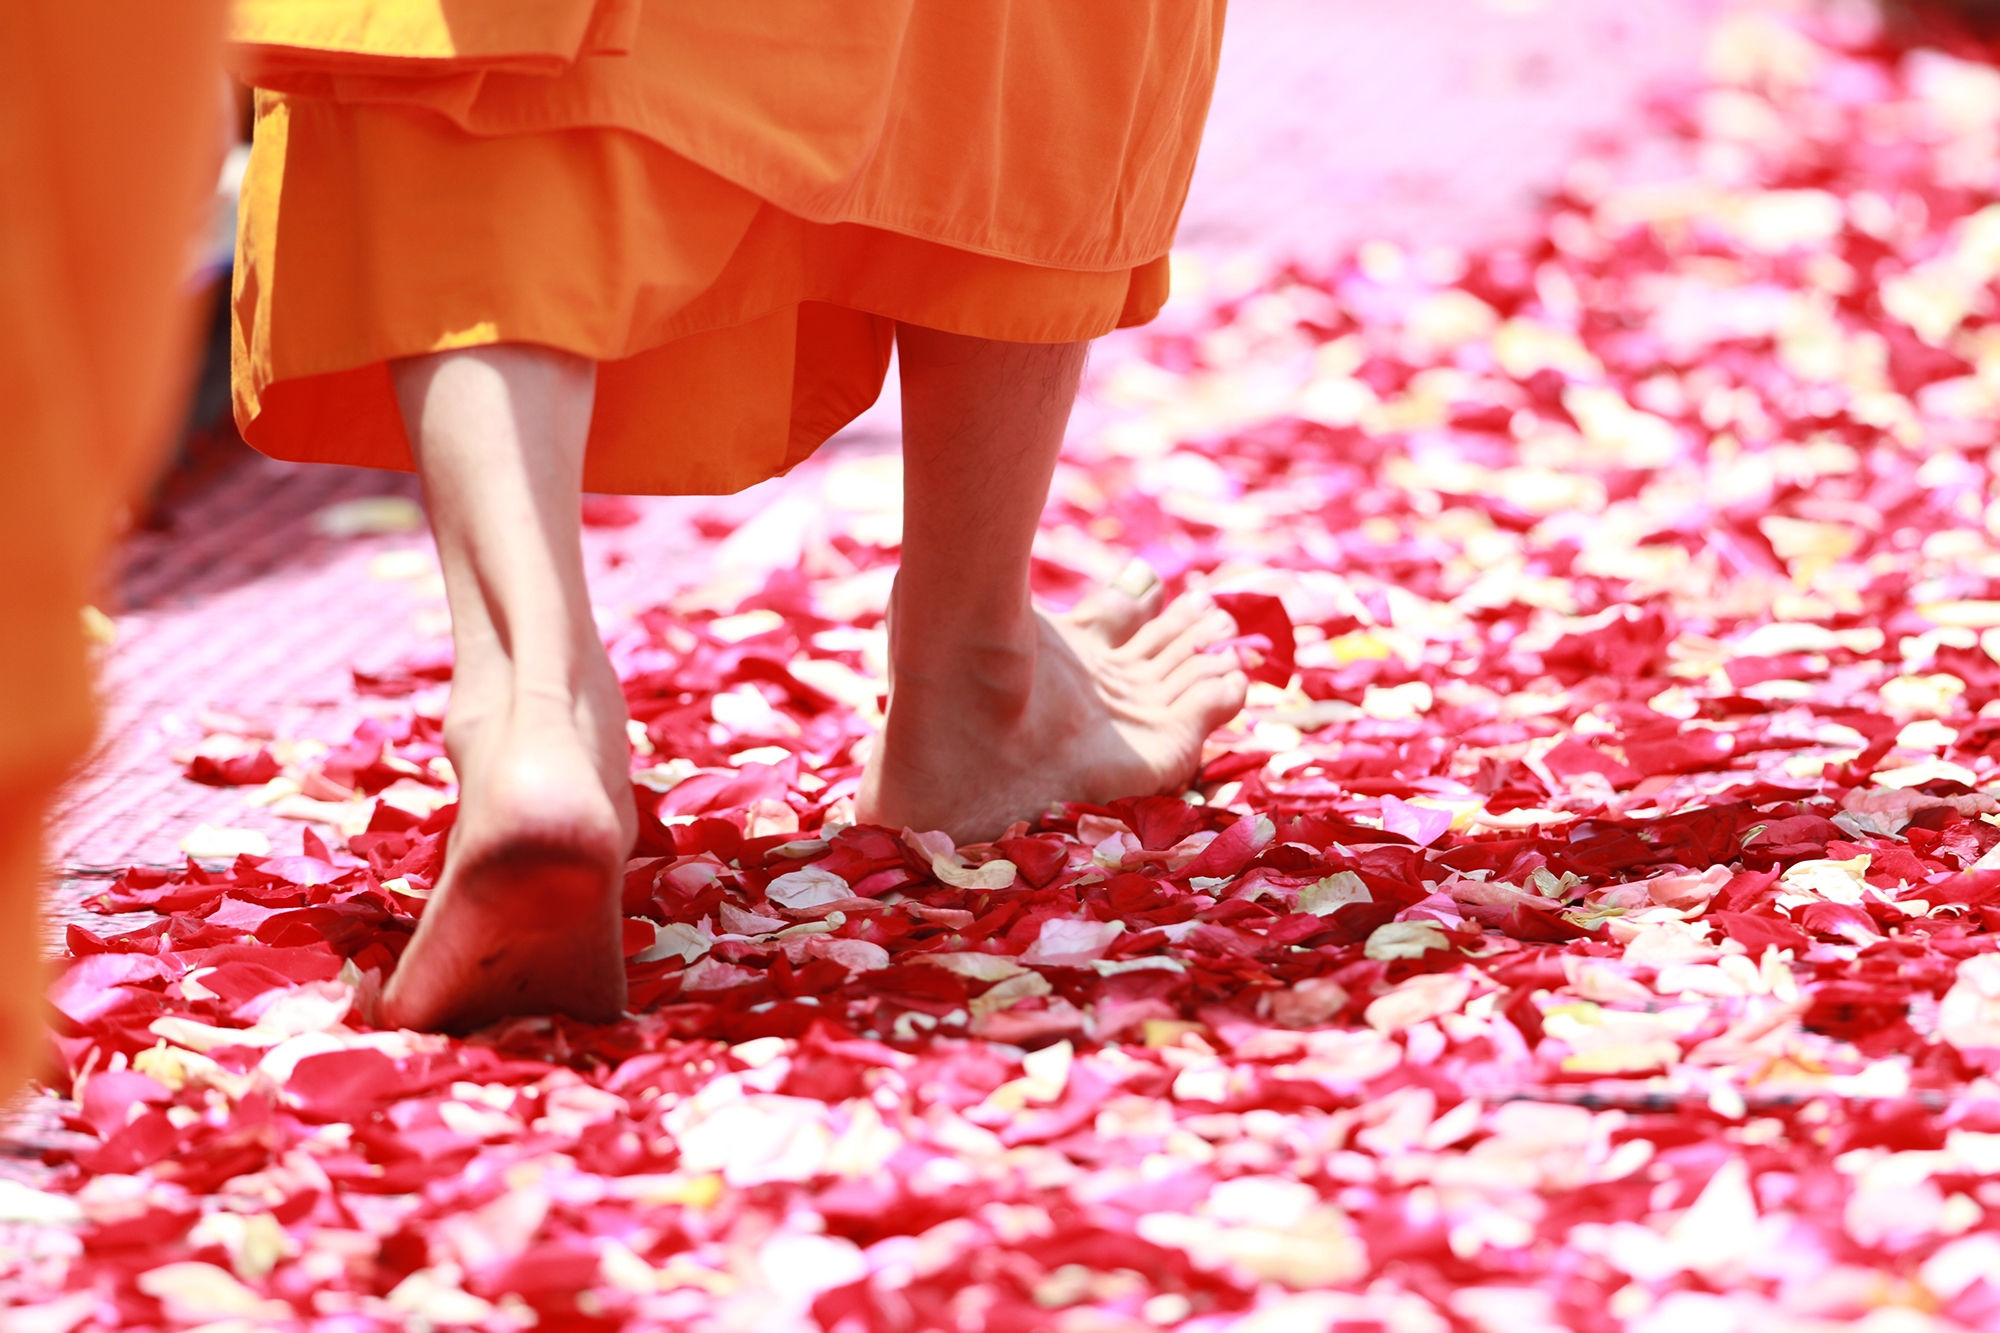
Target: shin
x=996 y=711
x=525 y=917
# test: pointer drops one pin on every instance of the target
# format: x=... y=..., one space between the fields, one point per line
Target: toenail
x=1137 y=579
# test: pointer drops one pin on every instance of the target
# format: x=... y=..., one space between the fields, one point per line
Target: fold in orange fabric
x=730 y=217
x=306 y=39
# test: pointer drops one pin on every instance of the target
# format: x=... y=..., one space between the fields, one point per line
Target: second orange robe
x=111 y=126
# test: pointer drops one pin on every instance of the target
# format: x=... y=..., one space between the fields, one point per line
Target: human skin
x=995 y=710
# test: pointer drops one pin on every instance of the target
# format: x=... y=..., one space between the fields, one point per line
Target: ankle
x=979 y=695
x=940 y=638
x=538 y=706
x=973 y=657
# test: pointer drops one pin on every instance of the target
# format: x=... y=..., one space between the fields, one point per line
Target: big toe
x=1117 y=609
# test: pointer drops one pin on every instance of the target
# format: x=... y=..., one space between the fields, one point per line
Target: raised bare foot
x=525 y=919
x=1108 y=700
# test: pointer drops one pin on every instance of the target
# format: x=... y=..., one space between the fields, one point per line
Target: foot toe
x=1216 y=626
x=1197 y=668
x=1117 y=609
x=1213 y=700
x=1182 y=613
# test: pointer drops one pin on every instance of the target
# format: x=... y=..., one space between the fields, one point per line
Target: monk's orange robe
x=111 y=123
x=729 y=206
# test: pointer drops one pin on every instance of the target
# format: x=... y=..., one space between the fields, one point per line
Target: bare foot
x=1108 y=700
x=525 y=919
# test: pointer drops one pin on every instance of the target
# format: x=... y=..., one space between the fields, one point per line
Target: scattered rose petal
x=807 y=888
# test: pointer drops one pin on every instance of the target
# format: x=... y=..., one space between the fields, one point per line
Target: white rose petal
x=807 y=888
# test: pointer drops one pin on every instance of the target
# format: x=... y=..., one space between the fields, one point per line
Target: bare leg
x=995 y=711
x=525 y=918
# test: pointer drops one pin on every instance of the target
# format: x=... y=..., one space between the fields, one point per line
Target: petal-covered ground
x=1591 y=925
